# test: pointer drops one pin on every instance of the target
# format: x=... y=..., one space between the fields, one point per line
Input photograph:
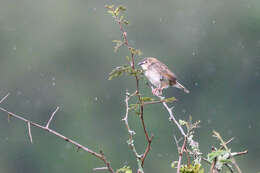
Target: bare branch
x=181 y=154
x=130 y=132
x=100 y=169
x=5 y=97
x=56 y=110
x=29 y=131
x=29 y=123
x=230 y=140
x=172 y=118
x=239 y=153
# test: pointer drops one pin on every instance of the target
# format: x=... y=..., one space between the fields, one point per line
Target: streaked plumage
x=159 y=75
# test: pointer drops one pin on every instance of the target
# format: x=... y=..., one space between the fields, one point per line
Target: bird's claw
x=157 y=91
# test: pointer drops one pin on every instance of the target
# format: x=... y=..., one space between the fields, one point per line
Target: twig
x=99 y=156
x=230 y=140
x=5 y=97
x=56 y=110
x=100 y=169
x=233 y=160
x=130 y=132
x=154 y=102
x=29 y=131
x=181 y=153
x=172 y=118
x=239 y=153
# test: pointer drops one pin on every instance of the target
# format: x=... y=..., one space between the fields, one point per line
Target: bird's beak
x=140 y=63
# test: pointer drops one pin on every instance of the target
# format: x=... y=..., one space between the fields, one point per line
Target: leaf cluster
x=125 y=169
x=125 y=69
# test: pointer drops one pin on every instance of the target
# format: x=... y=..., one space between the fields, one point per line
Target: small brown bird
x=159 y=75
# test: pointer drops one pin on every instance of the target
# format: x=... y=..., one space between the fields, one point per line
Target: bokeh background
x=59 y=53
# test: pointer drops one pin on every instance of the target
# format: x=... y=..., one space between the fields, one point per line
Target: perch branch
x=132 y=64
x=172 y=118
x=57 y=134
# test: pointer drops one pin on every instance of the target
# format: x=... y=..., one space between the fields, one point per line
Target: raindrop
x=14 y=47
x=160 y=19
x=53 y=83
x=19 y=93
x=213 y=21
x=250 y=126
x=193 y=53
x=96 y=99
x=196 y=84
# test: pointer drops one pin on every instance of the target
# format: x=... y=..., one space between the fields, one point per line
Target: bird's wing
x=165 y=72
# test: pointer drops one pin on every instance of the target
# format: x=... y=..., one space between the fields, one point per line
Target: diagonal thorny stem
x=100 y=155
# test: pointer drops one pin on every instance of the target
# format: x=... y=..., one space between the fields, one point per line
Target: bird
x=159 y=75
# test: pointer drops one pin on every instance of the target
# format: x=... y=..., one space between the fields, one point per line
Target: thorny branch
x=100 y=155
x=141 y=109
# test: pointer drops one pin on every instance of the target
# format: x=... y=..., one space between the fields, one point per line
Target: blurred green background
x=59 y=53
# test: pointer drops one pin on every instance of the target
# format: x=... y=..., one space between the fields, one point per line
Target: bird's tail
x=178 y=85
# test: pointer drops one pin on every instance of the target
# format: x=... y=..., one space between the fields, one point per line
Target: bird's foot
x=157 y=91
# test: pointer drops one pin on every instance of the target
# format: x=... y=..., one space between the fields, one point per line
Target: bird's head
x=146 y=62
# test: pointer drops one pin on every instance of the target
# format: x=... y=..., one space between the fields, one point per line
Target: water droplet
x=53 y=78
x=14 y=47
x=196 y=84
x=19 y=93
x=160 y=19
x=249 y=126
x=213 y=21
x=96 y=99
x=193 y=53
x=53 y=83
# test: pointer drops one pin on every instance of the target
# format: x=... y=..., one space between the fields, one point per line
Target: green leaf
x=170 y=99
x=111 y=12
x=125 y=169
x=122 y=8
x=214 y=154
x=182 y=122
x=174 y=164
x=146 y=99
x=126 y=22
x=128 y=58
x=119 y=43
x=136 y=51
x=109 y=6
x=133 y=106
x=119 y=71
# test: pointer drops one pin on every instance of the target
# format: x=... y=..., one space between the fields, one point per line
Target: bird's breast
x=153 y=76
